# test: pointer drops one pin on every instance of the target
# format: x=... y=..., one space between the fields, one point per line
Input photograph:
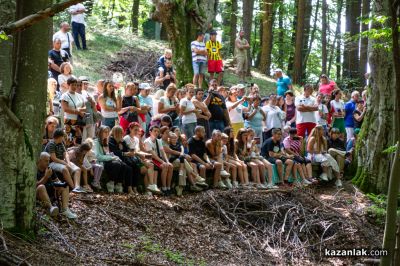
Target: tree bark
x=336 y=42
x=233 y=26
x=181 y=20
x=389 y=239
x=323 y=36
x=364 y=41
x=312 y=35
x=351 y=49
x=281 y=10
x=298 y=53
x=266 y=43
x=21 y=121
x=377 y=131
x=293 y=40
x=248 y=7
x=339 y=41
x=306 y=37
x=135 y=16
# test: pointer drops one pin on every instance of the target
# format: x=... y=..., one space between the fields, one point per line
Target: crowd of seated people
x=135 y=138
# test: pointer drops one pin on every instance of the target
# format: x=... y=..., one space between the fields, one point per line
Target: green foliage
x=391 y=149
x=3 y=36
x=377 y=210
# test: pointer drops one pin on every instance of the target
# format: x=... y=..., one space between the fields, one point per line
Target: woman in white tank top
x=109 y=104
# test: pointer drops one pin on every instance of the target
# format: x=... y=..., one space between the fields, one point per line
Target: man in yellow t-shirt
x=214 y=57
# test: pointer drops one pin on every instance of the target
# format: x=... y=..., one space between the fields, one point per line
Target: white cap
x=278 y=70
x=144 y=86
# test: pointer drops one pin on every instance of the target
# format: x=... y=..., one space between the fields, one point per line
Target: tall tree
x=248 y=7
x=306 y=37
x=181 y=20
x=281 y=12
x=324 y=54
x=267 y=35
x=336 y=41
x=135 y=16
x=364 y=40
x=298 y=52
x=339 y=40
x=377 y=133
x=233 y=25
x=22 y=112
x=312 y=35
x=293 y=40
x=351 y=47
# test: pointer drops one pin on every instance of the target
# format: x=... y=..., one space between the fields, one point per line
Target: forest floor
x=281 y=227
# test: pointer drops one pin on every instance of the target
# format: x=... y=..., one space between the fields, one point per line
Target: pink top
x=327 y=88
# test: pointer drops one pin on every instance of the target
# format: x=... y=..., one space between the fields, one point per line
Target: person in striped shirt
x=199 y=59
x=214 y=57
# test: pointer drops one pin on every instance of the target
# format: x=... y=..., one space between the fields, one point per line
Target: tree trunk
x=135 y=16
x=339 y=42
x=181 y=22
x=389 y=239
x=336 y=42
x=298 y=53
x=248 y=7
x=233 y=26
x=312 y=35
x=266 y=43
x=377 y=131
x=293 y=40
x=21 y=121
x=306 y=37
x=323 y=36
x=281 y=10
x=350 y=52
x=364 y=41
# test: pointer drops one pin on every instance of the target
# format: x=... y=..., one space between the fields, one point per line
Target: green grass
x=104 y=45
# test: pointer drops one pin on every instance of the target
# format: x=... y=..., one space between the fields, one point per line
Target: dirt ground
x=281 y=227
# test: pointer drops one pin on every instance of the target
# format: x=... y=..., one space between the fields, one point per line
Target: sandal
x=88 y=189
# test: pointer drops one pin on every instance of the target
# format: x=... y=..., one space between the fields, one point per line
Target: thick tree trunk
x=323 y=36
x=266 y=43
x=21 y=122
x=336 y=42
x=377 y=132
x=364 y=41
x=312 y=35
x=298 y=53
x=181 y=21
x=281 y=10
x=351 y=47
x=135 y=16
x=306 y=37
x=248 y=7
x=293 y=40
x=233 y=26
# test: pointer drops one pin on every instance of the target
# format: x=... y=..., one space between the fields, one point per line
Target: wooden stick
x=28 y=21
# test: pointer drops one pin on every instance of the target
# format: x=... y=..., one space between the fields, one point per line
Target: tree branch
x=28 y=21
x=10 y=114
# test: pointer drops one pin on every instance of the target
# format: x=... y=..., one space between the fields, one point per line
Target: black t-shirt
x=337 y=144
x=197 y=147
x=270 y=145
x=128 y=115
x=167 y=71
x=58 y=58
x=356 y=123
x=216 y=107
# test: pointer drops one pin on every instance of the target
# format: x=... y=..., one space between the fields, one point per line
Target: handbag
x=80 y=121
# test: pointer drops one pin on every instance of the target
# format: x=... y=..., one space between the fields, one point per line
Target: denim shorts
x=199 y=67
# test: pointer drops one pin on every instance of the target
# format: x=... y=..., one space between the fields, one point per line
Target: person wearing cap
x=326 y=86
x=306 y=106
x=241 y=89
x=199 y=59
x=283 y=82
x=241 y=47
x=66 y=39
x=214 y=57
x=290 y=109
x=146 y=104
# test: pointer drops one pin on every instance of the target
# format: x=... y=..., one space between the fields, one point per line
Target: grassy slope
x=105 y=45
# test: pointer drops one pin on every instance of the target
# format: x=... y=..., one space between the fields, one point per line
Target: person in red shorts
x=214 y=57
x=306 y=107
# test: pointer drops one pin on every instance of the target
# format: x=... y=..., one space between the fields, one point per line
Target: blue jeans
x=217 y=124
x=110 y=122
x=188 y=129
x=78 y=29
x=199 y=67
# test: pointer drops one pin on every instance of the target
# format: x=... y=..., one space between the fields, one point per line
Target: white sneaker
x=179 y=190
x=228 y=183
x=154 y=189
x=225 y=174
x=272 y=186
x=235 y=184
x=110 y=187
x=69 y=214
x=79 y=190
x=221 y=185
x=306 y=182
x=119 y=188
x=53 y=211
x=324 y=177
x=338 y=183
x=199 y=179
x=260 y=186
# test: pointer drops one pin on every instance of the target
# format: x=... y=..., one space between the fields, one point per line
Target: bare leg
x=41 y=194
x=289 y=165
x=279 y=166
x=67 y=177
x=217 y=173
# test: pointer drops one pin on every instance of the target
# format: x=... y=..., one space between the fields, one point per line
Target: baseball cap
x=240 y=86
x=144 y=86
x=289 y=92
x=83 y=78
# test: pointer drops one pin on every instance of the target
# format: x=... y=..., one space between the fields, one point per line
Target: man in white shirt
x=306 y=107
x=78 y=24
x=66 y=38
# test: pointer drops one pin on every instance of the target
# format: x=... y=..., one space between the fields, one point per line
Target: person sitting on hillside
x=60 y=162
x=56 y=58
x=77 y=155
x=166 y=75
x=337 y=148
x=50 y=127
x=167 y=56
x=48 y=186
x=198 y=151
